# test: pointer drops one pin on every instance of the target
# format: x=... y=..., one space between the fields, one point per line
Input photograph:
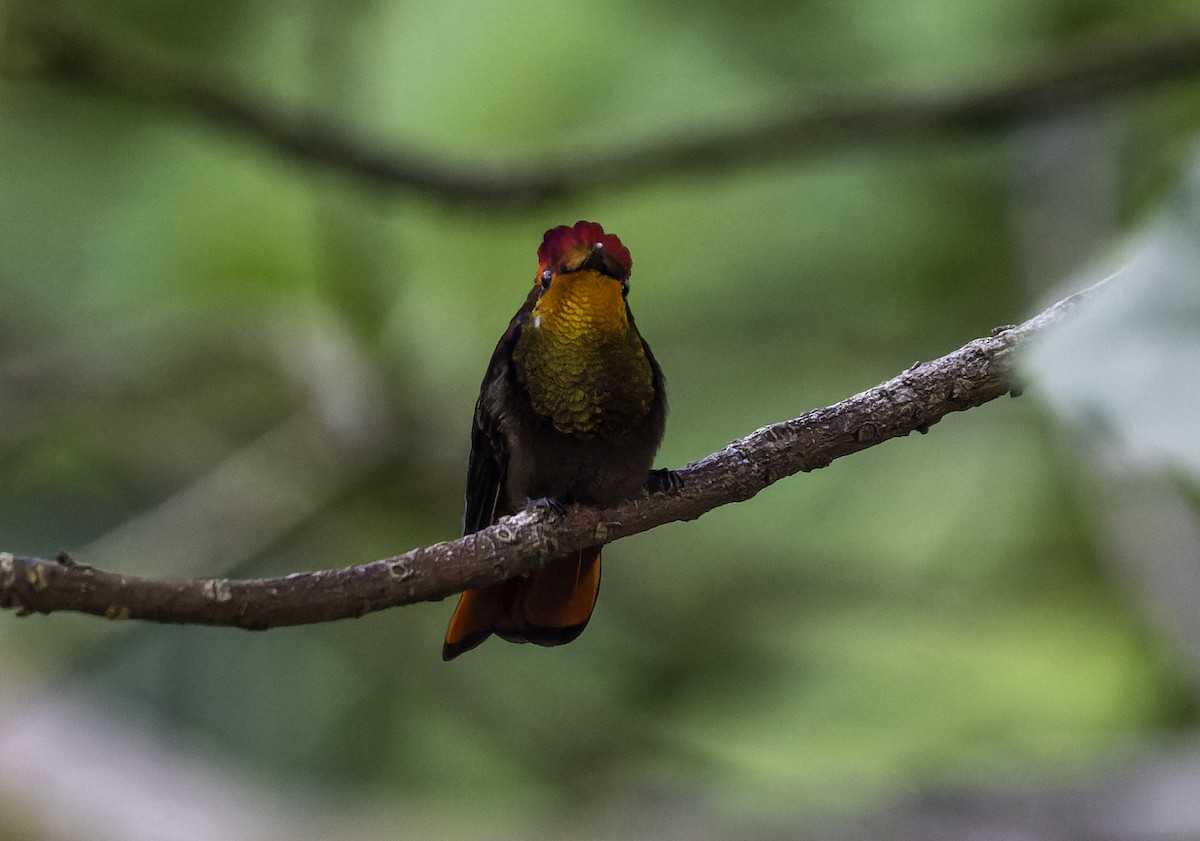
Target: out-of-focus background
x=218 y=359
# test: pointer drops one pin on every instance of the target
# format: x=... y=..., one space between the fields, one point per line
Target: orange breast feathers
x=583 y=364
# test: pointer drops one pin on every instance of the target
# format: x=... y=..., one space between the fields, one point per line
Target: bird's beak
x=599 y=260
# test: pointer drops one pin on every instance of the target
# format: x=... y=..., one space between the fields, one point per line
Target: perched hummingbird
x=571 y=410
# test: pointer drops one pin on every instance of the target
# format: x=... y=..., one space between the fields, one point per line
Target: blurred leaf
x=1124 y=371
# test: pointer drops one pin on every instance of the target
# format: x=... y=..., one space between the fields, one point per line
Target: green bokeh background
x=218 y=361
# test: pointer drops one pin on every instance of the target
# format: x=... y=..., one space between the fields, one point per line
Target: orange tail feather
x=551 y=606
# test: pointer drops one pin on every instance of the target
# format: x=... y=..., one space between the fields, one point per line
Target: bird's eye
x=547 y=276
x=624 y=287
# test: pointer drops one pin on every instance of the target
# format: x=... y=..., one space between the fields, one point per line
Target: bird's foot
x=662 y=480
x=545 y=503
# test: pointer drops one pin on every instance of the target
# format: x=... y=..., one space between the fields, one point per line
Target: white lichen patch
x=36 y=577
x=217 y=590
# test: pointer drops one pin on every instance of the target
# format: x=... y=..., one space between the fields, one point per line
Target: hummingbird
x=571 y=411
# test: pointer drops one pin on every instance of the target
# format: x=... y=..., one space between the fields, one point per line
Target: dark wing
x=488 y=463
x=485 y=471
x=658 y=408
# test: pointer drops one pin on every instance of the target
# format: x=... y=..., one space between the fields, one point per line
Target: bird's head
x=582 y=281
x=580 y=247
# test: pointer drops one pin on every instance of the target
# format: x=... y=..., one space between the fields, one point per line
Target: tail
x=549 y=607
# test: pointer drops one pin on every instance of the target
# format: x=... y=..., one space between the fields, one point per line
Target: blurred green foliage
x=218 y=361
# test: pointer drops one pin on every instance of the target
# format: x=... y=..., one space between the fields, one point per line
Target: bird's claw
x=663 y=479
x=545 y=503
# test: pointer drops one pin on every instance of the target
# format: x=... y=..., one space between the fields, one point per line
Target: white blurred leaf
x=1126 y=371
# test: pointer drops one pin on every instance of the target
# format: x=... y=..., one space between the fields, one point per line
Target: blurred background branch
x=63 y=50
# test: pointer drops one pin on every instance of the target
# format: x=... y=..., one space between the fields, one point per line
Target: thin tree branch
x=1080 y=77
x=913 y=401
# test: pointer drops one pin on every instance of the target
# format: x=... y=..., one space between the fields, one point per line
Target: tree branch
x=1090 y=73
x=915 y=400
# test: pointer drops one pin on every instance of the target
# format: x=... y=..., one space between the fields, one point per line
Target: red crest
x=560 y=245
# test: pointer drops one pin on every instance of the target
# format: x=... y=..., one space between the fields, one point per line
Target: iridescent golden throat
x=580 y=359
